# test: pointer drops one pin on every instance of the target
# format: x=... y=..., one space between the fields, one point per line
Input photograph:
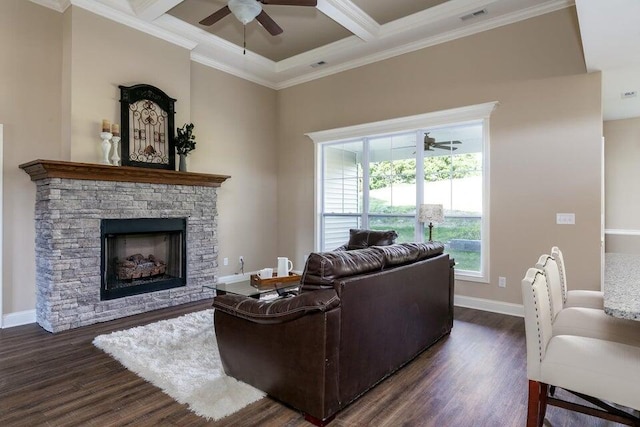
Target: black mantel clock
x=147 y=117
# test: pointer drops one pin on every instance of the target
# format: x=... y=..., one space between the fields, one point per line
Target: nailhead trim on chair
x=549 y=290
x=562 y=275
x=564 y=287
x=535 y=303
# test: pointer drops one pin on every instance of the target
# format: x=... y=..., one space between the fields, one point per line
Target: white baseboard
x=489 y=305
x=18 y=318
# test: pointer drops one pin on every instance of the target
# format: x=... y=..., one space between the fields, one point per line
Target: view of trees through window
x=448 y=171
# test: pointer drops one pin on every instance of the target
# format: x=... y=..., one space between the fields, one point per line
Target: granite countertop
x=622 y=285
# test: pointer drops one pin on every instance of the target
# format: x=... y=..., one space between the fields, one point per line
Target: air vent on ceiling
x=475 y=14
x=318 y=64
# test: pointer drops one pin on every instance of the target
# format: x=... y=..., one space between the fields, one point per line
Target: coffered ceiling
x=334 y=36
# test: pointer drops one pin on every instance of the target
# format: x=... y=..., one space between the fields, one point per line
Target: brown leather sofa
x=360 y=315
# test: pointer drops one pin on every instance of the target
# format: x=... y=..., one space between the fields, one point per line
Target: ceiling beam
x=150 y=10
x=351 y=17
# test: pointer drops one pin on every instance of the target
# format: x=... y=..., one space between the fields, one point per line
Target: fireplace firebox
x=142 y=255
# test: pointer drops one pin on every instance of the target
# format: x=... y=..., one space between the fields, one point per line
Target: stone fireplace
x=86 y=217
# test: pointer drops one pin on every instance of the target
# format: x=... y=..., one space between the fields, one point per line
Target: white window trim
x=411 y=123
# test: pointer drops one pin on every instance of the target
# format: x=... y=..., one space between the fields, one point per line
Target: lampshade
x=245 y=10
x=431 y=213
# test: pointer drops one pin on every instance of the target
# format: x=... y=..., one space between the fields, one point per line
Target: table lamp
x=431 y=213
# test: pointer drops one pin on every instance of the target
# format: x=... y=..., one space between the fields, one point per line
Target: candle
x=115 y=129
x=106 y=125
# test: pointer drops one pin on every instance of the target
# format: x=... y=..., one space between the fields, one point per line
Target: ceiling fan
x=248 y=10
x=430 y=143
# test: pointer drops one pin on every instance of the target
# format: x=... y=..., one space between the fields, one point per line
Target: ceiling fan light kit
x=245 y=10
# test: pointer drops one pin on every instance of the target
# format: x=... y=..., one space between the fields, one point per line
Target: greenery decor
x=185 y=140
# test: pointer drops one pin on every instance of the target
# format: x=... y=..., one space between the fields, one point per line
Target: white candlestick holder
x=115 y=157
x=106 y=147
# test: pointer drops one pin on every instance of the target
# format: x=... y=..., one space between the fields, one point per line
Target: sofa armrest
x=277 y=311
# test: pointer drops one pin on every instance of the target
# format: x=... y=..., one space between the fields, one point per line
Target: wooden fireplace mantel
x=41 y=169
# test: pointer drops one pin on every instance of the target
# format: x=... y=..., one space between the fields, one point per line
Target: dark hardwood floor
x=474 y=377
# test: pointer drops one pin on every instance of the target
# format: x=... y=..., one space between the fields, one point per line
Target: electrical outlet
x=565 y=218
x=241 y=259
x=225 y=261
x=502 y=282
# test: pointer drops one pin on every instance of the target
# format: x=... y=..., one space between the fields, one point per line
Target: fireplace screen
x=142 y=255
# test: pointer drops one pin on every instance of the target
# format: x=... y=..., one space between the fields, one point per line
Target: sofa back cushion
x=398 y=254
x=323 y=268
x=405 y=253
x=425 y=250
x=360 y=239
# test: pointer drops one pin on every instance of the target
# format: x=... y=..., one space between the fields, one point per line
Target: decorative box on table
x=275 y=282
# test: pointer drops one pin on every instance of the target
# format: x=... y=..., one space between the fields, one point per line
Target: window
x=342 y=192
x=377 y=175
x=455 y=181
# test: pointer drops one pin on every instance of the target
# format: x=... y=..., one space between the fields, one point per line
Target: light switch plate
x=565 y=218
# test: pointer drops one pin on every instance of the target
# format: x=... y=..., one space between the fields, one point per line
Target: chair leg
x=533 y=411
x=542 y=409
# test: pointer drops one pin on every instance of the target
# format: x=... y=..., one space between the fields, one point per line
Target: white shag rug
x=181 y=357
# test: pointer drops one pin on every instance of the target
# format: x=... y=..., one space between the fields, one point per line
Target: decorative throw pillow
x=359 y=239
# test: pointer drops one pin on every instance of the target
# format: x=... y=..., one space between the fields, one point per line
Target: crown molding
x=152 y=9
x=57 y=5
x=107 y=10
x=345 y=46
x=351 y=17
x=216 y=52
x=215 y=44
x=432 y=15
x=235 y=71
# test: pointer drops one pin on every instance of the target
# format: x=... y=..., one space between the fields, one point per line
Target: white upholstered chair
x=583 y=321
x=592 y=369
x=576 y=297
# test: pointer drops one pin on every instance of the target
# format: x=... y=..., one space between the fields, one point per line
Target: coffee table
x=244 y=288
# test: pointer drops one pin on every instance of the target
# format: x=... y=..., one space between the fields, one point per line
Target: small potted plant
x=185 y=143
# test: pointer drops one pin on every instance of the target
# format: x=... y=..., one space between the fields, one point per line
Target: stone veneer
x=67 y=217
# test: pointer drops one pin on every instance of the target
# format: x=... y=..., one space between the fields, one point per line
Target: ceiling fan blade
x=216 y=16
x=291 y=2
x=444 y=147
x=268 y=23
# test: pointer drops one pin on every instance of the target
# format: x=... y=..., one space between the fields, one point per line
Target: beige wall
x=622 y=183
x=545 y=139
x=236 y=135
x=105 y=54
x=30 y=91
